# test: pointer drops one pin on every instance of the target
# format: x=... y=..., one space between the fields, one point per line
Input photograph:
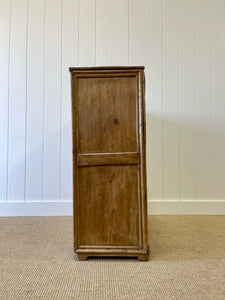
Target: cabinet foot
x=143 y=257
x=82 y=256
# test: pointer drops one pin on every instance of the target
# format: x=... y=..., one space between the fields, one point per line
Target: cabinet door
x=109 y=158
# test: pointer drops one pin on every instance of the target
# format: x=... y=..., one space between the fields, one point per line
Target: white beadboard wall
x=182 y=45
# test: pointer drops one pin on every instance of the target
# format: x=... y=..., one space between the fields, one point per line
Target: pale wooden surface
x=110 y=203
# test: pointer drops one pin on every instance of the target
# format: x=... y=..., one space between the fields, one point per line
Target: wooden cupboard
x=109 y=164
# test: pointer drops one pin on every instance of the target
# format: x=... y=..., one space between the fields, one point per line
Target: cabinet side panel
x=143 y=175
x=76 y=207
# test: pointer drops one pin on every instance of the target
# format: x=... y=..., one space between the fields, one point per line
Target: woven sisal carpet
x=187 y=262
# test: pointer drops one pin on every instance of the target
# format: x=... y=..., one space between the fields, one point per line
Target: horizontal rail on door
x=95 y=159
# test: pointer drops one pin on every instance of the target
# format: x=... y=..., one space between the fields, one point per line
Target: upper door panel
x=107 y=113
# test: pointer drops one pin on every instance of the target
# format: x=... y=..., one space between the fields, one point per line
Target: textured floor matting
x=187 y=262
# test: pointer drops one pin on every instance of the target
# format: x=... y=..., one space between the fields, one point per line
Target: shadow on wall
x=185 y=160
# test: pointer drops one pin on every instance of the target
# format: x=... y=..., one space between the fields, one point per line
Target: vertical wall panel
x=170 y=100
x=153 y=74
x=218 y=20
x=86 y=33
x=120 y=32
x=204 y=100
x=182 y=45
x=35 y=69
x=104 y=32
x=137 y=34
x=17 y=101
x=52 y=95
x=187 y=99
x=5 y=11
x=69 y=59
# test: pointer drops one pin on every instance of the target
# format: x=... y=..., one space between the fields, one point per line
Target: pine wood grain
x=109 y=172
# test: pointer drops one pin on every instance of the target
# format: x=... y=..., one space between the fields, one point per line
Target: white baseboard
x=15 y=209
x=186 y=207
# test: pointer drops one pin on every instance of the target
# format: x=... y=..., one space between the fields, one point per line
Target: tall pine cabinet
x=109 y=162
